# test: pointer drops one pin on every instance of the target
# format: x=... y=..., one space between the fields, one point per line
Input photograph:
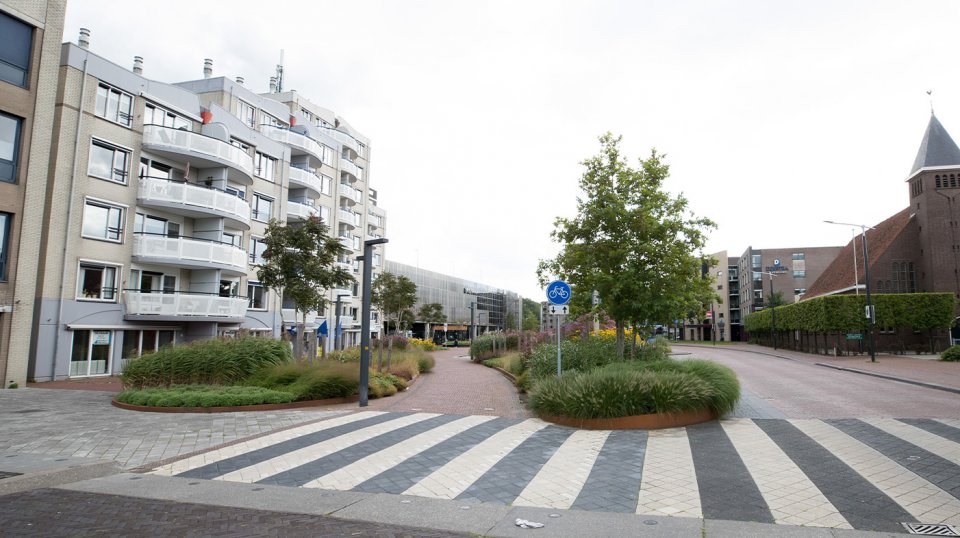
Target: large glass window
x=114 y=105
x=6 y=220
x=102 y=221
x=324 y=214
x=264 y=166
x=97 y=282
x=256 y=295
x=15 y=50
x=262 y=207
x=326 y=184
x=90 y=353
x=136 y=343
x=257 y=248
x=9 y=147
x=246 y=112
x=108 y=161
x=154 y=115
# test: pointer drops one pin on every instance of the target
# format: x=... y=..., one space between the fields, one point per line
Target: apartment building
x=160 y=198
x=30 y=35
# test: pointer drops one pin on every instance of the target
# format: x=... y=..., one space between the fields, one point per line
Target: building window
x=136 y=343
x=108 y=161
x=15 y=50
x=9 y=146
x=264 y=166
x=246 y=113
x=257 y=248
x=114 y=105
x=903 y=278
x=102 y=221
x=376 y=260
x=757 y=262
x=154 y=115
x=261 y=208
x=6 y=221
x=798 y=256
x=799 y=273
x=268 y=119
x=327 y=155
x=256 y=296
x=324 y=214
x=150 y=225
x=799 y=291
x=97 y=282
x=90 y=352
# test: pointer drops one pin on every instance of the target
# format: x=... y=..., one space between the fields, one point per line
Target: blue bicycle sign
x=558 y=292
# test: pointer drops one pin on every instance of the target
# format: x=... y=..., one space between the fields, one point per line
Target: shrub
x=216 y=362
x=426 y=345
x=951 y=354
x=305 y=382
x=493 y=363
x=637 y=388
x=351 y=354
x=380 y=385
x=523 y=382
x=426 y=363
x=203 y=396
x=579 y=355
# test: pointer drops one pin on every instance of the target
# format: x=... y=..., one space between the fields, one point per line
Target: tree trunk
x=620 y=338
x=633 y=342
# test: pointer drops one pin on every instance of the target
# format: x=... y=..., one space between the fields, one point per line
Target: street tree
x=531 y=315
x=299 y=262
x=430 y=314
x=394 y=294
x=631 y=242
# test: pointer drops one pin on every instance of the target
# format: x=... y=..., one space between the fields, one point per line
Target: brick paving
x=54 y=512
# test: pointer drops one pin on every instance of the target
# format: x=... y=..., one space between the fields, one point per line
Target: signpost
x=558 y=293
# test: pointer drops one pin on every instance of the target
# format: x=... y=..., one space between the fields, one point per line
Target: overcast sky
x=774 y=116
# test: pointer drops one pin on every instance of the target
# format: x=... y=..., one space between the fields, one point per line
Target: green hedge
x=305 y=382
x=951 y=354
x=919 y=311
x=203 y=396
x=213 y=362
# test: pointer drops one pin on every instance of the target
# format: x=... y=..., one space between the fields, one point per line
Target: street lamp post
x=871 y=317
x=365 y=322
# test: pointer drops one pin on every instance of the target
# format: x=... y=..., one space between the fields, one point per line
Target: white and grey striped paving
x=871 y=474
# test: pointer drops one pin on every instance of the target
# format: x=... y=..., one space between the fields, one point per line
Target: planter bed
x=637 y=422
x=232 y=409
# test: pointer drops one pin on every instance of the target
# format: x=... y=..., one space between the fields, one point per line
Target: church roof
x=937 y=148
x=838 y=277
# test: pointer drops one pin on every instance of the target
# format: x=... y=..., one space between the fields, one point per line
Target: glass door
x=91 y=352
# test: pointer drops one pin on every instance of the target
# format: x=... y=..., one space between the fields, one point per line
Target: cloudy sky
x=774 y=116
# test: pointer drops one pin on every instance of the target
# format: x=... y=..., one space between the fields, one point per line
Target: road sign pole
x=558 y=293
x=558 y=346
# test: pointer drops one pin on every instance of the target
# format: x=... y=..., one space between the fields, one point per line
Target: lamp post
x=870 y=315
x=338 y=334
x=365 y=322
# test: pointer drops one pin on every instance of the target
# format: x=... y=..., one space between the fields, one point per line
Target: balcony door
x=91 y=353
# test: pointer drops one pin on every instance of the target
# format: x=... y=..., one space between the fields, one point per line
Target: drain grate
x=931 y=529
x=4 y=474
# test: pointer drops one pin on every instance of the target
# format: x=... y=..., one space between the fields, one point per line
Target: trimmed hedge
x=919 y=311
x=203 y=396
x=209 y=362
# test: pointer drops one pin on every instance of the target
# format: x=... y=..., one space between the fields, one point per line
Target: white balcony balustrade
x=299 y=144
x=291 y=317
x=306 y=179
x=348 y=166
x=199 y=150
x=188 y=252
x=184 y=305
x=301 y=211
x=193 y=201
x=343 y=138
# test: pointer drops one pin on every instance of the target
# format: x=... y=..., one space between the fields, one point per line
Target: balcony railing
x=184 y=305
x=175 y=194
x=306 y=179
x=188 y=252
x=292 y=316
x=348 y=166
x=301 y=211
x=348 y=217
x=193 y=145
x=348 y=192
x=296 y=141
x=343 y=138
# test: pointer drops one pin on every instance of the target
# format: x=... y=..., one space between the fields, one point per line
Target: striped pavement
x=867 y=474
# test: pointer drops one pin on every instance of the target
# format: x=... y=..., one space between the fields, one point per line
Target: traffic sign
x=560 y=310
x=558 y=292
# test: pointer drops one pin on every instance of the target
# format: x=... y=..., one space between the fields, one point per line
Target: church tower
x=934 y=186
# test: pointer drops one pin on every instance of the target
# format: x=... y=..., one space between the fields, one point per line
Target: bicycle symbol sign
x=558 y=292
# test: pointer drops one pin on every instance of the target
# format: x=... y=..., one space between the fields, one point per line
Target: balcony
x=178 y=306
x=299 y=144
x=306 y=179
x=352 y=195
x=301 y=210
x=199 y=150
x=346 y=241
x=189 y=252
x=346 y=165
x=292 y=317
x=342 y=291
x=193 y=201
x=342 y=137
x=346 y=322
x=347 y=217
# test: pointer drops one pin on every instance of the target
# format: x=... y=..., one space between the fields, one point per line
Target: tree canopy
x=631 y=242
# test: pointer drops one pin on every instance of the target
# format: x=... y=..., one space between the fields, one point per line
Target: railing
x=306 y=178
x=346 y=321
x=297 y=140
x=301 y=210
x=164 y=190
x=179 y=249
x=343 y=138
x=346 y=241
x=348 y=217
x=190 y=142
x=184 y=304
x=348 y=166
x=291 y=315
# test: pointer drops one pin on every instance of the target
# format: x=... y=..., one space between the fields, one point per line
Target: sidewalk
x=914 y=369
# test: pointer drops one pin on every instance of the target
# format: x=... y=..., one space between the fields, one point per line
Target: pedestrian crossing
x=868 y=474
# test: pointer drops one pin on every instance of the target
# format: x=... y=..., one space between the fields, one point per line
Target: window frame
x=251 y=119
x=103 y=144
x=6 y=221
x=24 y=70
x=118 y=119
x=252 y=255
x=17 y=141
x=96 y=202
x=255 y=206
x=106 y=294
x=252 y=294
x=262 y=160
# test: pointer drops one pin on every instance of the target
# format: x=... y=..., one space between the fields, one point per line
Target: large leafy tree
x=631 y=242
x=299 y=261
x=431 y=313
x=531 y=315
x=394 y=295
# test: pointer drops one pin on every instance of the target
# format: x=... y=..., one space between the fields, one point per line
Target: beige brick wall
x=48 y=15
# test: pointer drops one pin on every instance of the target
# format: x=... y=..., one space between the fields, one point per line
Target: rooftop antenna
x=280 y=73
x=930 y=95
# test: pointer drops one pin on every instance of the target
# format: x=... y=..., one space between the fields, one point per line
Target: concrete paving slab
x=740 y=529
x=578 y=523
x=32 y=471
x=457 y=516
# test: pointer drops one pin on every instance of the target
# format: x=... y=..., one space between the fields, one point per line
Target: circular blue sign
x=558 y=292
